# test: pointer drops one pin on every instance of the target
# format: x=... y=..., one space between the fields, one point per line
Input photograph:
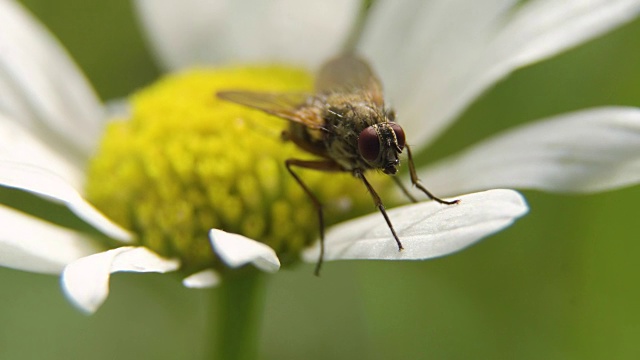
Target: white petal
x=203 y=279
x=423 y=50
x=30 y=244
x=43 y=89
x=434 y=67
x=236 y=250
x=185 y=33
x=585 y=151
x=86 y=281
x=50 y=186
x=18 y=145
x=543 y=28
x=427 y=230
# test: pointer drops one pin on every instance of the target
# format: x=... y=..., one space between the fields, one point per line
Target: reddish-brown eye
x=368 y=144
x=399 y=134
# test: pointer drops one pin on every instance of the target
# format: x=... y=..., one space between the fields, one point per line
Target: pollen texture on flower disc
x=186 y=162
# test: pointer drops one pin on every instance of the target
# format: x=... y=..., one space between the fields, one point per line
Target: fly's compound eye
x=369 y=144
x=399 y=134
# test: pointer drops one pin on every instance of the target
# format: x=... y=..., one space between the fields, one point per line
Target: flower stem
x=240 y=305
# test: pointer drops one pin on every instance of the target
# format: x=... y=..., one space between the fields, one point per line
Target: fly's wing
x=349 y=73
x=289 y=106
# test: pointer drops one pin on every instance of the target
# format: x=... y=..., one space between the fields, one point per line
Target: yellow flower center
x=185 y=162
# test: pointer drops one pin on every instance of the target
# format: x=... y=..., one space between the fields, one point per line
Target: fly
x=346 y=124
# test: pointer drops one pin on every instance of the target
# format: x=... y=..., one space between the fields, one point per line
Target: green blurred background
x=563 y=283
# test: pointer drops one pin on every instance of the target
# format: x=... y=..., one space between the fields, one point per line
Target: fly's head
x=380 y=145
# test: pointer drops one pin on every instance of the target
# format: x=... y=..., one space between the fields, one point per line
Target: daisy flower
x=183 y=182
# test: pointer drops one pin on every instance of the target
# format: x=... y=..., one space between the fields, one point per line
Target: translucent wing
x=349 y=73
x=289 y=106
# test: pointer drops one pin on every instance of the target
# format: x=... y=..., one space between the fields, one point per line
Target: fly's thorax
x=345 y=116
x=361 y=134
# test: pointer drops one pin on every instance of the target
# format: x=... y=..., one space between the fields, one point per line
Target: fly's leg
x=404 y=189
x=379 y=205
x=321 y=165
x=416 y=182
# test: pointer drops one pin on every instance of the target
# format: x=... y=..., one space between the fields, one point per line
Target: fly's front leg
x=321 y=165
x=416 y=182
x=404 y=189
x=378 y=202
